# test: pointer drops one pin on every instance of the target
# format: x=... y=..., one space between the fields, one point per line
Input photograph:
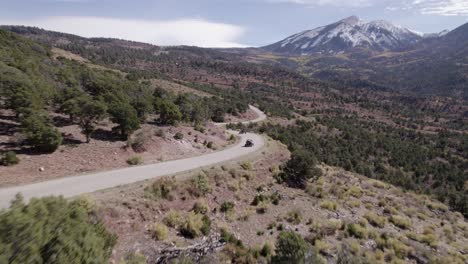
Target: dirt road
x=73 y=186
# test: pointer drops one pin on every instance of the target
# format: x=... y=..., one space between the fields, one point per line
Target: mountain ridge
x=345 y=35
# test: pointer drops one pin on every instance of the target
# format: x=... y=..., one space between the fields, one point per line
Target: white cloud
x=196 y=32
x=442 y=7
x=434 y=7
x=347 y=3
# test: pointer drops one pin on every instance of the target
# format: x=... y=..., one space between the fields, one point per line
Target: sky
x=222 y=23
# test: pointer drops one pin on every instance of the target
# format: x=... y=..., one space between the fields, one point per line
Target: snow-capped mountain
x=345 y=35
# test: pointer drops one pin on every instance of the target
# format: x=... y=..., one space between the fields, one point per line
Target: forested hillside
x=420 y=162
x=33 y=84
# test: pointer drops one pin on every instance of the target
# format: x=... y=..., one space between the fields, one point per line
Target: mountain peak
x=352 y=20
x=347 y=34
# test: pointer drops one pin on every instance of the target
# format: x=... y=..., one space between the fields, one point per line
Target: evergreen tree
x=89 y=113
x=300 y=169
x=69 y=102
x=40 y=133
x=126 y=116
x=290 y=248
x=169 y=113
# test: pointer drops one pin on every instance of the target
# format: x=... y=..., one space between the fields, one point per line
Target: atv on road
x=249 y=143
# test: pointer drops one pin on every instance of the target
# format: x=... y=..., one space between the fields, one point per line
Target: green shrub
x=437 y=206
x=172 y=219
x=428 y=237
x=357 y=231
x=331 y=226
x=162 y=188
x=355 y=191
x=275 y=198
x=267 y=250
x=390 y=210
x=201 y=207
x=290 y=248
x=227 y=207
x=247 y=165
x=322 y=246
x=179 y=136
x=294 y=217
x=206 y=227
x=199 y=128
x=400 y=221
x=353 y=203
x=258 y=199
x=200 y=185
x=401 y=250
x=378 y=184
x=329 y=205
x=159 y=231
x=52 y=230
x=230 y=238
x=195 y=225
x=135 y=160
x=9 y=159
x=375 y=220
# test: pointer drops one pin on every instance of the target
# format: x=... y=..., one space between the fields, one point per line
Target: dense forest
x=430 y=164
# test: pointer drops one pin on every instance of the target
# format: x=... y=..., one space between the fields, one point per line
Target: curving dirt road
x=72 y=186
x=260 y=117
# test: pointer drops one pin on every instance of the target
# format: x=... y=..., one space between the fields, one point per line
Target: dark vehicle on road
x=249 y=143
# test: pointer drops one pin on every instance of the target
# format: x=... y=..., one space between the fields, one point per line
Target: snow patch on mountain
x=346 y=34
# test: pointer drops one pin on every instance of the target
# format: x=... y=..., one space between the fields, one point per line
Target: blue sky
x=222 y=23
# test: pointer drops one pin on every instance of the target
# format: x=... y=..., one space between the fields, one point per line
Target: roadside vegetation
x=53 y=230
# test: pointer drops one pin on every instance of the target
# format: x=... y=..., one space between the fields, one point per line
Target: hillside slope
x=341 y=215
x=63 y=115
